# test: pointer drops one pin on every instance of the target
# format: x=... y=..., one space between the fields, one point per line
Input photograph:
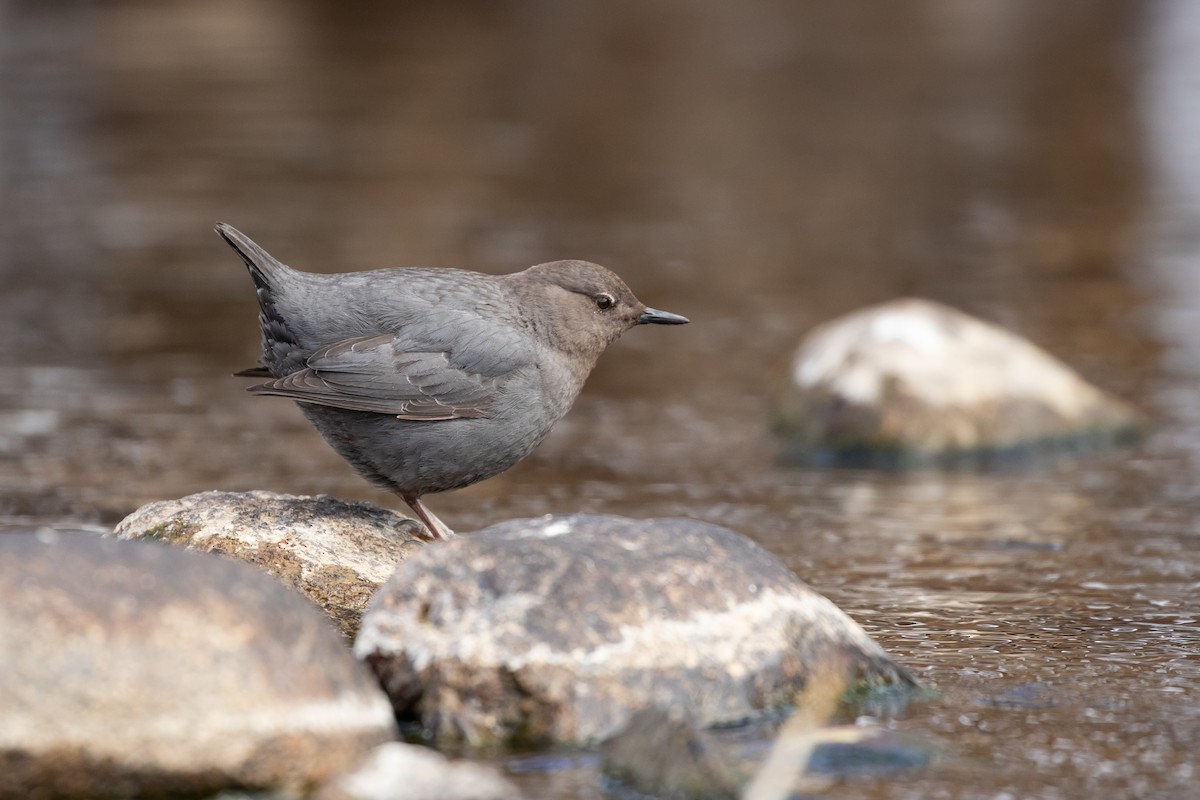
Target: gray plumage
x=433 y=379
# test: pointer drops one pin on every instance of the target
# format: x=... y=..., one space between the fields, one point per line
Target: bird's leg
x=437 y=528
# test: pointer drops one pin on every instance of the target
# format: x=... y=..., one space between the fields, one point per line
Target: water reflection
x=759 y=167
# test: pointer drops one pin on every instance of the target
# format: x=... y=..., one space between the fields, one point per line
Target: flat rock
x=913 y=381
x=557 y=629
x=335 y=552
x=399 y=771
x=135 y=669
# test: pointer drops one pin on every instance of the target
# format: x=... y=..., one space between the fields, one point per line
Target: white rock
x=406 y=772
x=914 y=375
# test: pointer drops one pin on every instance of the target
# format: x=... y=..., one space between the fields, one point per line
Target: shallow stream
x=757 y=167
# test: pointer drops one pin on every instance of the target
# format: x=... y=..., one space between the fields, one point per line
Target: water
x=758 y=167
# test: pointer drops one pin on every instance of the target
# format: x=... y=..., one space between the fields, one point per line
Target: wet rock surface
x=134 y=669
x=335 y=552
x=399 y=771
x=559 y=628
x=913 y=382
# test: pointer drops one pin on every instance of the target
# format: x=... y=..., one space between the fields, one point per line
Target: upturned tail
x=266 y=270
x=270 y=276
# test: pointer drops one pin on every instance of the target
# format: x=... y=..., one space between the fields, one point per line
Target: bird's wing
x=402 y=375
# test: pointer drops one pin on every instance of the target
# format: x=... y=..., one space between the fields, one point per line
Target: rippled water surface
x=758 y=167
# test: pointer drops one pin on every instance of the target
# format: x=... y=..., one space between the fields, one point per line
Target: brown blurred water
x=760 y=167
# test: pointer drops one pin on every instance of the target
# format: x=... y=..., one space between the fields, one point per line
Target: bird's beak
x=652 y=316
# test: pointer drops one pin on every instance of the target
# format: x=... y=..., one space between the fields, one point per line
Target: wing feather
x=402 y=375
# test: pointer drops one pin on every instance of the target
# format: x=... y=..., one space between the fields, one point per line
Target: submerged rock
x=913 y=382
x=407 y=772
x=337 y=553
x=135 y=669
x=661 y=754
x=558 y=629
x=808 y=750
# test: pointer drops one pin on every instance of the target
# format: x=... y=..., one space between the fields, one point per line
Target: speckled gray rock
x=913 y=381
x=559 y=628
x=407 y=772
x=134 y=669
x=337 y=553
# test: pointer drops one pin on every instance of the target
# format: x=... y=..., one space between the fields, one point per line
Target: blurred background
x=759 y=167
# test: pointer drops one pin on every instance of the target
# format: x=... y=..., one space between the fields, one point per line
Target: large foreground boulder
x=914 y=382
x=558 y=629
x=135 y=669
x=337 y=553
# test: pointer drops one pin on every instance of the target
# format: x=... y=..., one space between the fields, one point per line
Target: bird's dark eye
x=604 y=301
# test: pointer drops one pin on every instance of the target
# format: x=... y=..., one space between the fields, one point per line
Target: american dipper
x=433 y=379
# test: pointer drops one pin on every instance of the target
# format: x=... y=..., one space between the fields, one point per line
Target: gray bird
x=427 y=380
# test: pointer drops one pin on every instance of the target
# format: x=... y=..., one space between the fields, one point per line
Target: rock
x=809 y=764
x=337 y=553
x=406 y=772
x=557 y=629
x=852 y=752
x=661 y=754
x=130 y=668
x=913 y=382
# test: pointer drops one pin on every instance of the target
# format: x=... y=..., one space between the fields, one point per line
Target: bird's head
x=582 y=308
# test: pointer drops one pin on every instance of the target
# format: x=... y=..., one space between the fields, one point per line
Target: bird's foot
x=436 y=529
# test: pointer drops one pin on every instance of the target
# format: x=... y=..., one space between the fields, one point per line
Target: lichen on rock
x=336 y=552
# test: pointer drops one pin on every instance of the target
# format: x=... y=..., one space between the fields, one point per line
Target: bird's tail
x=266 y=270
x=271 y=279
